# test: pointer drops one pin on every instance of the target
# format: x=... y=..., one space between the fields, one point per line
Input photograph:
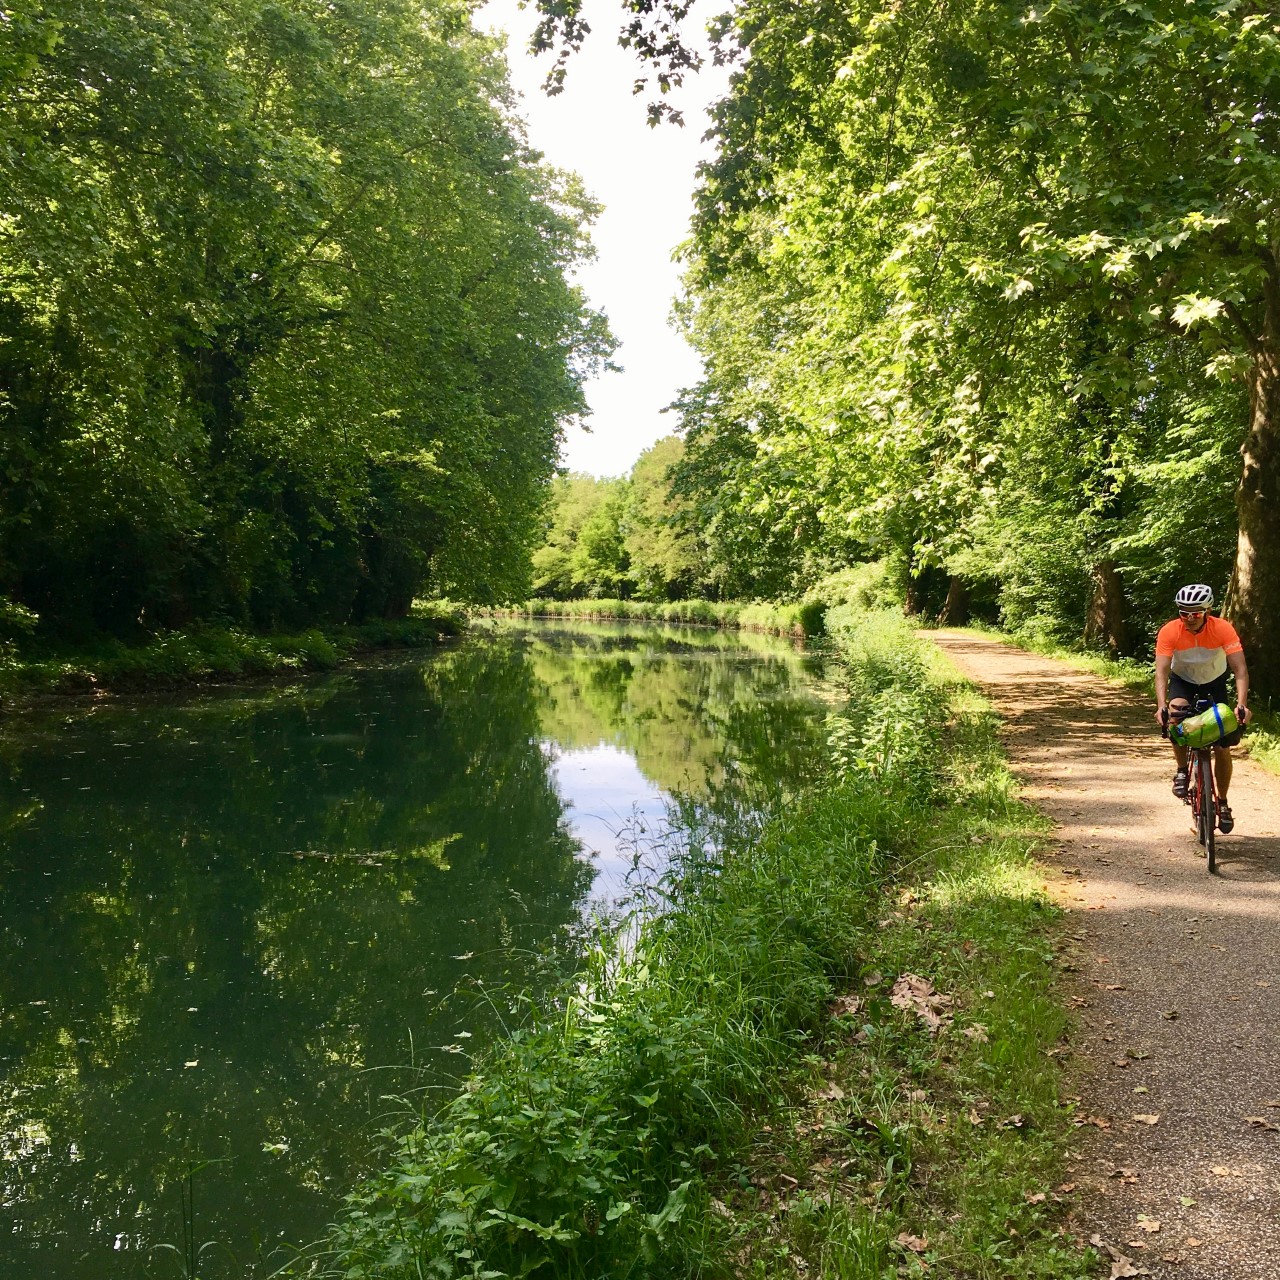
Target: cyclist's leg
x=1180 y=695
x=1222 y=770
x=1222 y=764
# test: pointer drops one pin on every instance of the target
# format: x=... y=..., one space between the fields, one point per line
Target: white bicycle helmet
x=1194 y=596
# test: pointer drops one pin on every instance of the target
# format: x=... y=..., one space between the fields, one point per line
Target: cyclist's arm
x=1163 y=663
x=1240 y=670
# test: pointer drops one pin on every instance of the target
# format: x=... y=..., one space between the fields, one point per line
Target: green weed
x=730 y=1088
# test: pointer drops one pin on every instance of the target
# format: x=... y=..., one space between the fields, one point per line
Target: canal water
x=243 y=932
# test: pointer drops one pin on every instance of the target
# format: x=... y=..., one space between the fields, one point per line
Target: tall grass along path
x=1176 y=974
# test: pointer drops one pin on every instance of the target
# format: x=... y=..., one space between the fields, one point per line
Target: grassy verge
x=801 y=619
x=213 y=653
x=828 y=1054
x=1262 y=742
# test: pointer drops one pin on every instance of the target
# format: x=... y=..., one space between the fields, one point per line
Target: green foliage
x=663 y=547
x=622 y=537
x=643 y=1116
x=780 y=619
x=894 y=726
x=286 y=333
x=584 y=552
x=861 y=588
x=955 y=1137
x=984 y=292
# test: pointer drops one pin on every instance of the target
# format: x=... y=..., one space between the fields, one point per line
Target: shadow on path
x=1179 y=971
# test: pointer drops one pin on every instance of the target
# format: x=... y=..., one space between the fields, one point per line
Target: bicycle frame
x=1202 y=794
x=1202 y=798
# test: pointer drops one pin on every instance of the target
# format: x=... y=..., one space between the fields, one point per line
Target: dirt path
x=1178 y=974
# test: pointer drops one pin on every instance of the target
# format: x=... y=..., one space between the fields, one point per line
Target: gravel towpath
x=1175 y=976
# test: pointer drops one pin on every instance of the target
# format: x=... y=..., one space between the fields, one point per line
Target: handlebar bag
x=1205 y=729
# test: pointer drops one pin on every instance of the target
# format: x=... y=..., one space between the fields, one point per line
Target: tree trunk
x=955 y=612
x=1107 y=621
x=1253 y=600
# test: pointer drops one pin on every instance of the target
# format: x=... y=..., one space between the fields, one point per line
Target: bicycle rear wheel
x=1208 y=809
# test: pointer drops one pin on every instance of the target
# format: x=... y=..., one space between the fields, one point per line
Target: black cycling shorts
x=1214 y=691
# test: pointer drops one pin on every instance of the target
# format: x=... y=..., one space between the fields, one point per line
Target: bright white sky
x=644 y=178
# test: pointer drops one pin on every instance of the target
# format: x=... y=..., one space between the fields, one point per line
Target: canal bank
x=827 y=1048
x=204 y=655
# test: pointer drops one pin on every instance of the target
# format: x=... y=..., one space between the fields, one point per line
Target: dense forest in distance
x=286 y=327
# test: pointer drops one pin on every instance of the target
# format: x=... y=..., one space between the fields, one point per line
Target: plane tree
x=966 y=206
x=286 y=326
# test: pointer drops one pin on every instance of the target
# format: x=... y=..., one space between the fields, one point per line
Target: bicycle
x=1201 y=795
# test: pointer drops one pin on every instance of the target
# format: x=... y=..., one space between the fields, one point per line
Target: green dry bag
x=1205 y=729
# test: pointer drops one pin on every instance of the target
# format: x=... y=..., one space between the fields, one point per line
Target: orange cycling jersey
x=1199 y=657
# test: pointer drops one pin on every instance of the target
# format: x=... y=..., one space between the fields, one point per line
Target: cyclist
x=1193 y=654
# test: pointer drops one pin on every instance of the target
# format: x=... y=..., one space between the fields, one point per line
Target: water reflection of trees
x=704 y=716
x=218 y=919
x=222 y=919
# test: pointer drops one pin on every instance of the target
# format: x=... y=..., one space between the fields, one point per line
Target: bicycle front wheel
x=1208 y=809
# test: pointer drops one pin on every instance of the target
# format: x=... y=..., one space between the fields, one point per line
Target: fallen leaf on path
x=917 y=1244
x=1122 y=1266
x=1261 y=1122
x=1013 y=1122
x=1148 y=1119
x=1138 y=1055
x=1142 y=1088
x=1149 y=1225
x=977 y=1033
x=1170 y=1015
x=845 y=1005
x=1065 y=1188
x=1098 y=1122
x=918 y=995
x=1192 y=1243
x=1261 y=984
x=1035 y=1197
x=1115 y=986
x=1122 y=1063
x=1125 y=1174
x=1079 y=1002
x=1186 y=1201
x=1222 y=1171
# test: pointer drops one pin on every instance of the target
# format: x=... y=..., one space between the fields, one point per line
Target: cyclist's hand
x=1243 y=714
x=1162 y=717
